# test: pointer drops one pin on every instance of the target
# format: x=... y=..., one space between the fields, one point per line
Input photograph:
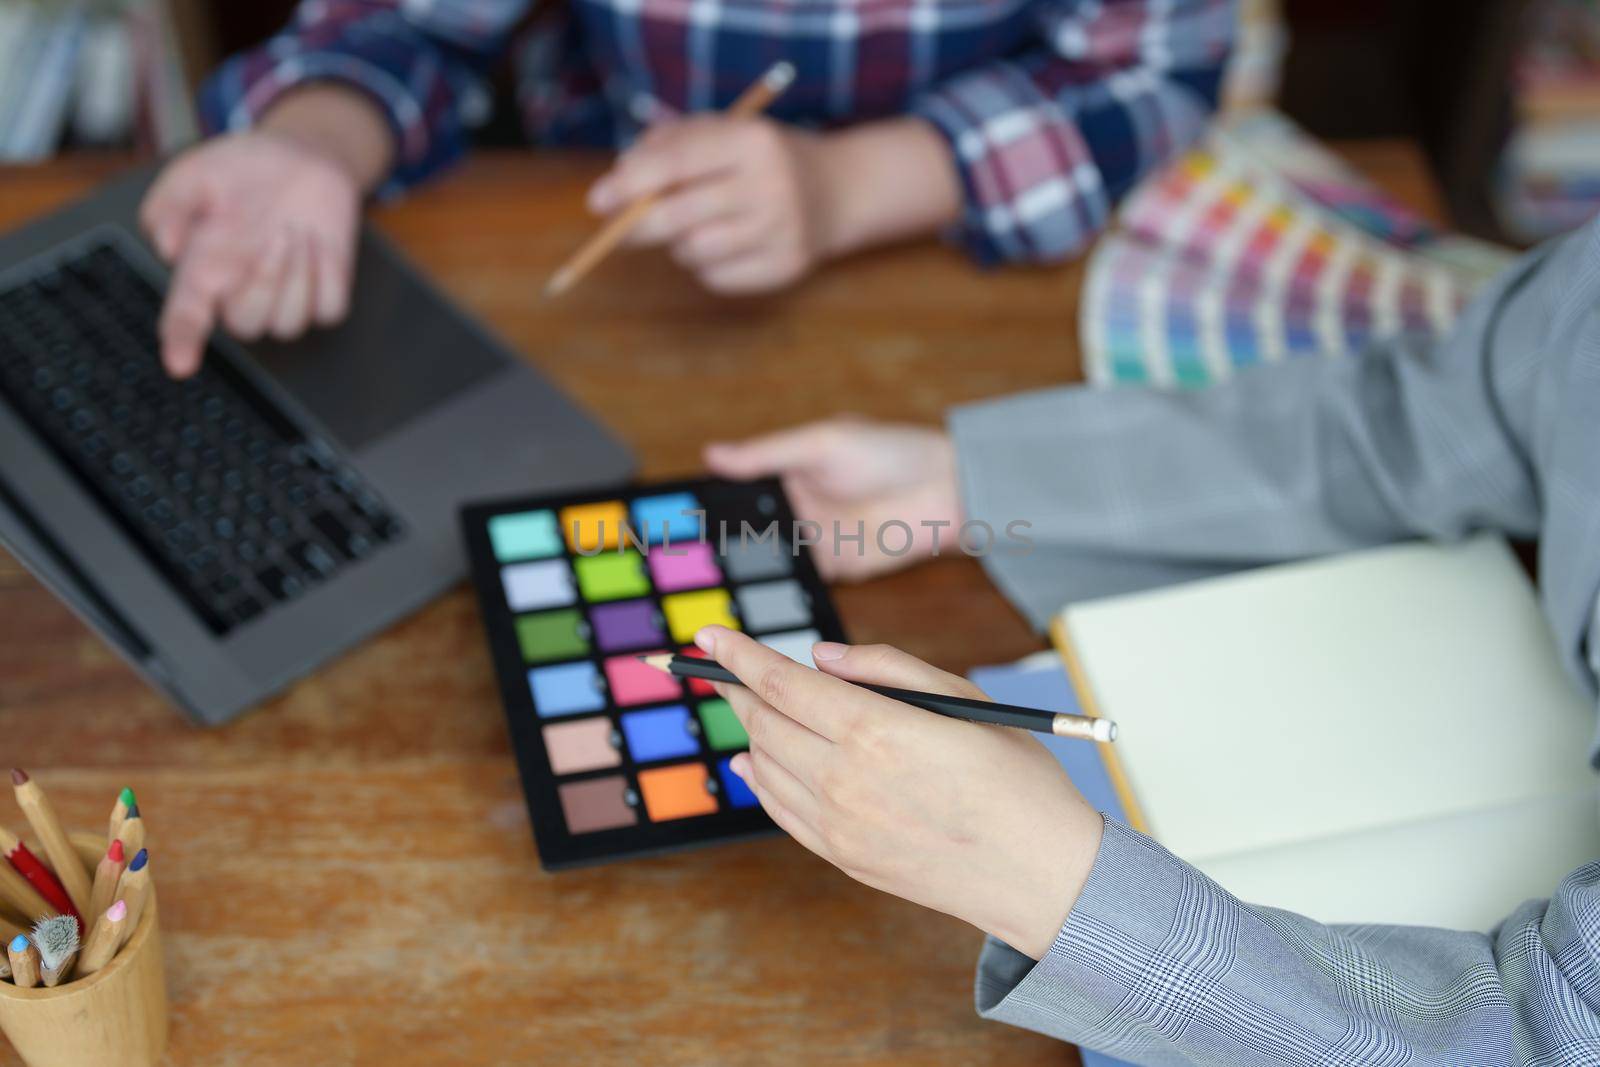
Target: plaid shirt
x=1053 y=108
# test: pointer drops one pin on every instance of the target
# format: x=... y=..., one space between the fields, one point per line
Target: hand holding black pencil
x=1061 y=724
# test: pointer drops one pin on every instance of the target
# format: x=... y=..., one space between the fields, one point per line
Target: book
x=1368 y=738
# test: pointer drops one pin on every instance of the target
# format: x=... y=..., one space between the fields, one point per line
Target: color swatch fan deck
x=1261 y=247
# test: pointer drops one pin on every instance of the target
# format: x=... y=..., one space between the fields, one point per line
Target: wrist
x=886 y=181
x=1045 y=884
x=338 y=125
x=840 y=230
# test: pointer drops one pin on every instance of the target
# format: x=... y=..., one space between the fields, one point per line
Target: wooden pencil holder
x=116 y=1017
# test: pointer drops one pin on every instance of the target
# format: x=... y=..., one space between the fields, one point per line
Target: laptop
x=228 y=533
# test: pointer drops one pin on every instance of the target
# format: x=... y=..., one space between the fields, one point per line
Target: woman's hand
x=979 y=822
x=854 y=472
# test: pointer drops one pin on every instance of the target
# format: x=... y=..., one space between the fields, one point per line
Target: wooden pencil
x=1062 y=724
x=42 y=817
x=134 y=889
x=119 y=811
x=132 y=834
x=105 y=937
x=750 y=103
x=8 y=930
x=22 y=896
x=106 y=875
x=24 y=960
x=25 y=863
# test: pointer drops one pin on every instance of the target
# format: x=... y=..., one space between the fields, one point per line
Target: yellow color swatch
x=687 y=612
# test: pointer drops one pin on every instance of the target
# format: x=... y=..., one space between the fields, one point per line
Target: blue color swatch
x=660 y=733
x=733 y=787
x=671 y=513
x=567 y=689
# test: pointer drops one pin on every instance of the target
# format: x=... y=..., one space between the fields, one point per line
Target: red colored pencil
x=37 y=874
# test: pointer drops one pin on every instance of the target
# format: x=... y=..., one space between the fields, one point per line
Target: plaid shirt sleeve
x=1159 y=965
x=422 y=63
x=1047 y=142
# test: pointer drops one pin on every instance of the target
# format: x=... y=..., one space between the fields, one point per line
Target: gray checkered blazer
x=1496 y=428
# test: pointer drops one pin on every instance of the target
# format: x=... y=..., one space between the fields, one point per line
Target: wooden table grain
x=347 y=875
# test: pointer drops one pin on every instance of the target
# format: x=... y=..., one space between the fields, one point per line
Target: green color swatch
x=722 y=728
x=611 y=575
x=552 y=635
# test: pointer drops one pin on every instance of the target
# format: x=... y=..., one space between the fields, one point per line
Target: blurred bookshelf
x=92 y=74
x=1549 y=175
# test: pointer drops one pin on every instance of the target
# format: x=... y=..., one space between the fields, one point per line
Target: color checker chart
x=619 y=759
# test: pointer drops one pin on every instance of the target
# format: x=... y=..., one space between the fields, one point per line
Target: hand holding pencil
x=657 y=191
x=976 y=821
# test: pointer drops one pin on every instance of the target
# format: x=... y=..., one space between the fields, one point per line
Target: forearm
x=1131 y=488
x=887 y=181
x=340 y=123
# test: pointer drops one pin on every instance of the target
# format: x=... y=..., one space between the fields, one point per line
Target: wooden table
x=311 y=856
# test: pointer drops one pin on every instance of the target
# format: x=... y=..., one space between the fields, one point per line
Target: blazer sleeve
x=1126 y=488
x=1159 y=965
x=1490 y=428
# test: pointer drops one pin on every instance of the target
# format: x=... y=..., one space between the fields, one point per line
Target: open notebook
x=1380 y=737
x=1384 y=736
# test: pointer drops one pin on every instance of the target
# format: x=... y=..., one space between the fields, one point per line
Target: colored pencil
x=119 y=811
x=134 y=890
x=1062 y=724
x=21 y=895
x=37 y=874
x=24 y=960
x=104 y=939
x=57 y=941
x=752 y=102
x=8 y=930
x=42 y=817
x=106 y=875
x=131 y=833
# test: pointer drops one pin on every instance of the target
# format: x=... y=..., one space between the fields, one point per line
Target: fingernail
x=740 y=765
x=706 y=639
x=828 y=650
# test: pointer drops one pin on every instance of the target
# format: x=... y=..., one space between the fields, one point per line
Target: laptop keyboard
x=231 y=502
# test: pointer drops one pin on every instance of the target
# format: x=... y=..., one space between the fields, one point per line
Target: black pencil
x=1062 y=724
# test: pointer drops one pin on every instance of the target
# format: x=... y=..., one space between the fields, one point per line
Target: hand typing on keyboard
x=260 y=228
